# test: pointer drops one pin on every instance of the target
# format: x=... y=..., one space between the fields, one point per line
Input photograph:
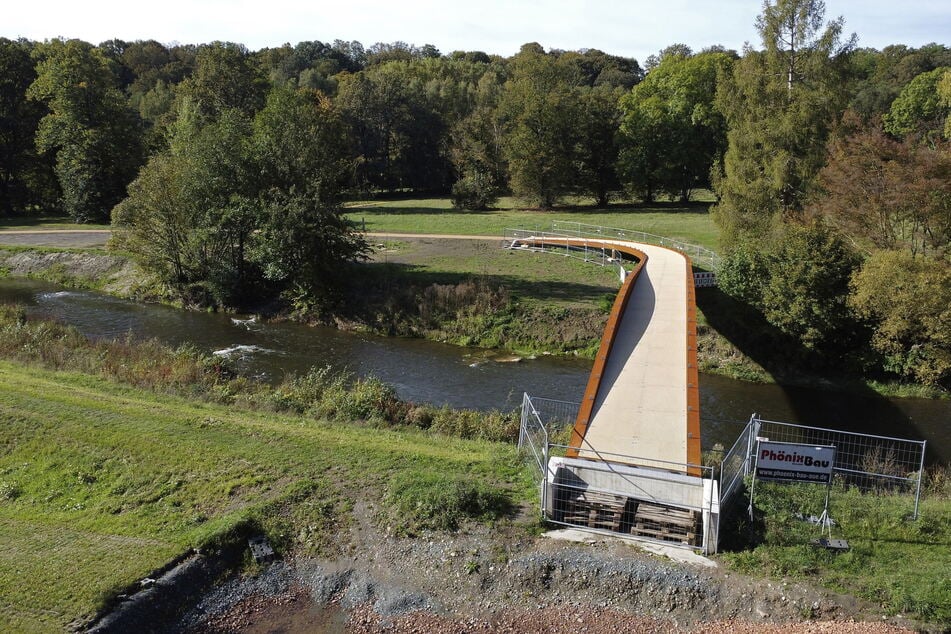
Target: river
x=426 y=371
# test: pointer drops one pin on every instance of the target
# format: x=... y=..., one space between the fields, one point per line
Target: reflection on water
x=430 y=372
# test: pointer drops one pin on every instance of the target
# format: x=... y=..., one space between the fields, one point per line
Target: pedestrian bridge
x=642 y=397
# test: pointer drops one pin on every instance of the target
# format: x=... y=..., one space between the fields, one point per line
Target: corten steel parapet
x=594 y=386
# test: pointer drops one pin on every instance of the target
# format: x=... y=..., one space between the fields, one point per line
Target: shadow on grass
x=390 y=275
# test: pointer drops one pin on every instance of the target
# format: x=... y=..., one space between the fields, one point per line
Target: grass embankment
x=900 y=564
x=476 y=294
x=102 y=482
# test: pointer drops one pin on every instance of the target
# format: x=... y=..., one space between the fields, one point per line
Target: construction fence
x=683 y=505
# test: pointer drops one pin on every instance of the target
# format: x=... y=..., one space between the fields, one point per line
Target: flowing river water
x=425 y=371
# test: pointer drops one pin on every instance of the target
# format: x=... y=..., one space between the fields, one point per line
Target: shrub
x=429 y=500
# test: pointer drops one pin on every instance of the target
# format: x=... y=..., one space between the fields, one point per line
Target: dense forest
x=223 y=169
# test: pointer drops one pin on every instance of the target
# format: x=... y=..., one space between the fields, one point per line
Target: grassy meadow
x=690 y=223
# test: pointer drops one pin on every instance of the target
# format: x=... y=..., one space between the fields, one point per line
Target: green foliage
x=89 y=128
x=232 y=203
x=907 y=299
x=429 y=500
x=540 y=107
x=800 y=283
x=806 y=295
x=944 y=91
x=27 y=182
x=744 y=273
x=223 y=79
x=919 y=108
x=779 y=105
x=475 y=190
x=671 y=133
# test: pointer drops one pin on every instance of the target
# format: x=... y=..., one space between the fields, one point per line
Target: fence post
x=921 y=472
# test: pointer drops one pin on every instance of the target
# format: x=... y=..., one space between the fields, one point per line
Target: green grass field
x=690 y=223
x=101 y=483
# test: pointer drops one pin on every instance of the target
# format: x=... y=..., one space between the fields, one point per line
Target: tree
x=808 y=287
x=190 y=213
x=478 y=159
x=401 y=136
x=597 y=149
x=879 y=76
x=235 y=210
x=886 y=193
x=224 y=79
x=91 y=131
x=26 y=180
x=908 y=299
x=539 y=108
x=304 y=239
x=670 y=132
x=779 y=105
x=919 y=108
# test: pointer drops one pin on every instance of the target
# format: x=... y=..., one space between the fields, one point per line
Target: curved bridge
x=642 y=398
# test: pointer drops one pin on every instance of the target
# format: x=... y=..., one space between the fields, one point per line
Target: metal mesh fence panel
x=735 y=466
x=867 y=462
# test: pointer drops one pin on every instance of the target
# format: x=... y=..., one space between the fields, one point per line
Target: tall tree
x=887 y=193
x=224 y=78
x=93 y=134
x=540 y=109
x=26 y=179
x=919 y=108
x=597 y=149
x=779 y=105
x=304 y=239
x=671 y=134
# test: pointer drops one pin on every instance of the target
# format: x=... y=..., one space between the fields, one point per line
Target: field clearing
x=690 y=223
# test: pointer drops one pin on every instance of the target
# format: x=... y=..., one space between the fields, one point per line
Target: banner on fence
x=794 y=462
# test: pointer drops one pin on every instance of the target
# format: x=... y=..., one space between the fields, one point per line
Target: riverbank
x=122 y=456
x=471 y=293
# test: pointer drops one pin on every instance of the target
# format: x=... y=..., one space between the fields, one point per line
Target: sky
x=632 y=28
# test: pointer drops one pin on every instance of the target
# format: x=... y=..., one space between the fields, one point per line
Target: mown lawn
x=101 y=484
x=690 y=223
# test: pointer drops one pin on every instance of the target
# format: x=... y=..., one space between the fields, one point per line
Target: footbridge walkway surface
x=642 y=397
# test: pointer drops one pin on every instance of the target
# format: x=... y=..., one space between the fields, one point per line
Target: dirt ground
x=500 y=580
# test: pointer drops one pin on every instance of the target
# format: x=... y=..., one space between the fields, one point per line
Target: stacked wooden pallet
x=595 y=509
x=666 y=524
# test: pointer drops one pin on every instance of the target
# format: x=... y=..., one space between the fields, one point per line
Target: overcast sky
x=633 y=28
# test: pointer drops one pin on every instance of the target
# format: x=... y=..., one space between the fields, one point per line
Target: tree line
x=223 y=168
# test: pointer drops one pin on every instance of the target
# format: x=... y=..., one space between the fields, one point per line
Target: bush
x=430 y=500
x=474 y=191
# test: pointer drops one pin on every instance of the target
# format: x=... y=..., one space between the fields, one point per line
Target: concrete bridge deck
x=642 y=397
